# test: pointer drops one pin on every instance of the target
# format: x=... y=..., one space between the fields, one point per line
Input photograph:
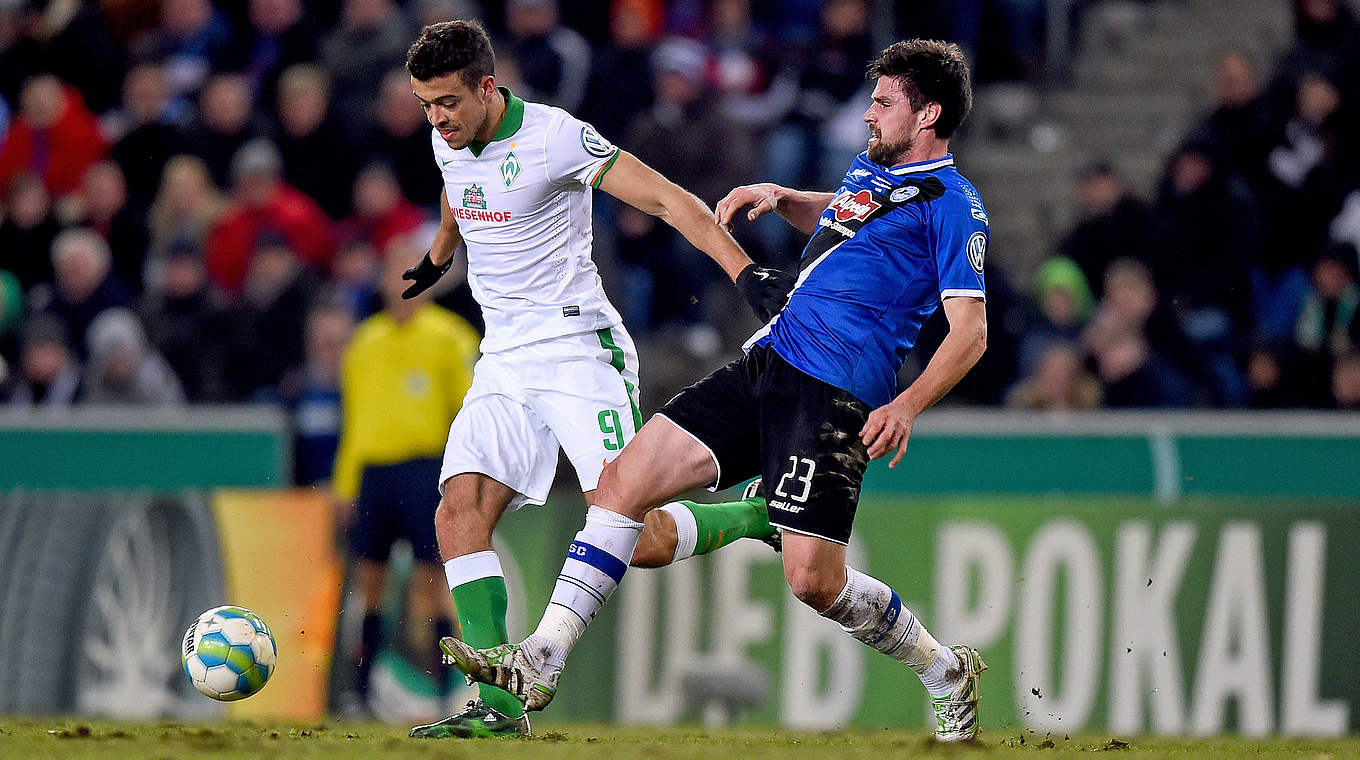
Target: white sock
x=472 y=567
x=872 y=613
x=595 y=564
x=686 y=529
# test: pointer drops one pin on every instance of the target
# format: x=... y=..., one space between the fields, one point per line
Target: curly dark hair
x=449 y=47
x=931 y=71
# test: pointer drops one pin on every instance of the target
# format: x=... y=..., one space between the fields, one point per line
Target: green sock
x=481 y=615
x=720 y=524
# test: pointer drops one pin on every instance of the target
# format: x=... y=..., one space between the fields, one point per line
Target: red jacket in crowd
x=290 y=213
x=59 y=154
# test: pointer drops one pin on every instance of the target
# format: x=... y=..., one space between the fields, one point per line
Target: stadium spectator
x=317 y=159
x=268 y=325
x=186 y=207
x=620 y=86
x=27 y=230
x=224 y=123
x=281 y=34
x=54 y=135
x=1346 y=382
x=149 y=130
x=193 y=39
x=354 y=277
x=1208 y=236
x=69 y=40
x=102 y=204
x=371 y=35
x=1240 y=122
x=123 y=369
x=380 y=211
x=402 y=140
x=686 y=137
x=830 y=100
x=1063 y=303
x=1328 y=325
x=262 y=201
x=402 y=381
x=1059 y=382
x=1137 y=347
x=748 y=67
x=1326 y=42
x=48 y=375
x=553 y=60
x=1114 y=224
x=312 y=394
x=1272 y=376
x=186 y=323
x=85 y=283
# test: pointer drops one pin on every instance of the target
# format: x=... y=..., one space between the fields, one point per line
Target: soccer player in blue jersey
x=814 y=396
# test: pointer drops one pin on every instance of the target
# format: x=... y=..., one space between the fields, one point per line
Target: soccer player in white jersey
x=557 y=367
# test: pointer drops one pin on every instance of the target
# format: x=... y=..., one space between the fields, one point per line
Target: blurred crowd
x=1235 y=285
x=196 y=196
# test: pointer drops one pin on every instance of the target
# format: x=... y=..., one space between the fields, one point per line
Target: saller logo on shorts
x=858 y=206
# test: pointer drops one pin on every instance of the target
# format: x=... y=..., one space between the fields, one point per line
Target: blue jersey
x=888 y=249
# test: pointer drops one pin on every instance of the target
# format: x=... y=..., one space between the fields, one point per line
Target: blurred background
x=197 y=198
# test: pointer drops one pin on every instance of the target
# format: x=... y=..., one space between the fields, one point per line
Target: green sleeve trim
x=599 y=176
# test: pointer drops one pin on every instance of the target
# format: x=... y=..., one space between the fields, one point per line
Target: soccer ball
x=228 y=653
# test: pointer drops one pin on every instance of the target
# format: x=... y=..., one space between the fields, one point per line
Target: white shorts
x=578 y=392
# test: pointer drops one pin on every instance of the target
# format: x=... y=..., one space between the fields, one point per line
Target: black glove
x=767 y=290
x=424 y=274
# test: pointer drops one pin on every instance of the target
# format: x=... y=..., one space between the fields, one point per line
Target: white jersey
x=523 y=206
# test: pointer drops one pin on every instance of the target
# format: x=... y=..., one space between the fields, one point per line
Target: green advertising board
x=1141 y=577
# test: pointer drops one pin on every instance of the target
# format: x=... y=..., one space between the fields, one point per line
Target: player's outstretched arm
x=889 y=426
x=645 y=189
x=800 y=208
x=440 y=256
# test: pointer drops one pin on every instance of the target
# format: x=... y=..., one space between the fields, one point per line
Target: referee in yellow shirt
x=402 y=381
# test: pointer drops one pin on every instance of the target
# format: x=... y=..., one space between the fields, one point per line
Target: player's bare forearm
x=646 y=190
x=958 y=352
x=888 y=428
x=447 y=238
x=800 y=208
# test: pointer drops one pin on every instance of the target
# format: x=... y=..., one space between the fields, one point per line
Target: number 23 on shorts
x=800 y=473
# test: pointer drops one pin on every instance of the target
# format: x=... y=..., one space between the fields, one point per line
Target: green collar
x=510 y=121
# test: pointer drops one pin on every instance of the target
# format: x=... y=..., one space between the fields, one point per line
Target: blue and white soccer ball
x=228 y=653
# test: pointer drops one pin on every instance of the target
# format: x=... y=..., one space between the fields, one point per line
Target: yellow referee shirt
x=400 y=386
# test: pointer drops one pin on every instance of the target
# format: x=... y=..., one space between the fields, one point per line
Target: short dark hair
x=931 y=71
x=449 y=47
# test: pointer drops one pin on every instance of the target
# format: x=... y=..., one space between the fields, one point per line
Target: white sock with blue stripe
x=871 y=612
x=595 y=564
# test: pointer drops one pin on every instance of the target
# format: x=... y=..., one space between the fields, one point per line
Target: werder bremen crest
x=474 y=197
x=510 y=168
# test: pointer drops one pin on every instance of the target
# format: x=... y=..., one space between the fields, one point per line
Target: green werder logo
x=510 y=168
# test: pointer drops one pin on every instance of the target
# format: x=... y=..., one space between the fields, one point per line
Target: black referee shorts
x=759 y=415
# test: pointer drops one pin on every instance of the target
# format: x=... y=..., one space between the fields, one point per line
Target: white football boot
x=508 y=667
x=956 y=714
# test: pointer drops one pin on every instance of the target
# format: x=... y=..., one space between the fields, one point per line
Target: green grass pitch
x=63 y=738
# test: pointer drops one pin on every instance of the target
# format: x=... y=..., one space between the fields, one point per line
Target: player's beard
x=885 y=153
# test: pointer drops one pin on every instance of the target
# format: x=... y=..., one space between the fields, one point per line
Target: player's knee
x=609 y=489
x=817 y=590
x=460 y=517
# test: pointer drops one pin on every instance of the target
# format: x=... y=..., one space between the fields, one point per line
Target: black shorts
x=759 y=415
x=397 y=501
